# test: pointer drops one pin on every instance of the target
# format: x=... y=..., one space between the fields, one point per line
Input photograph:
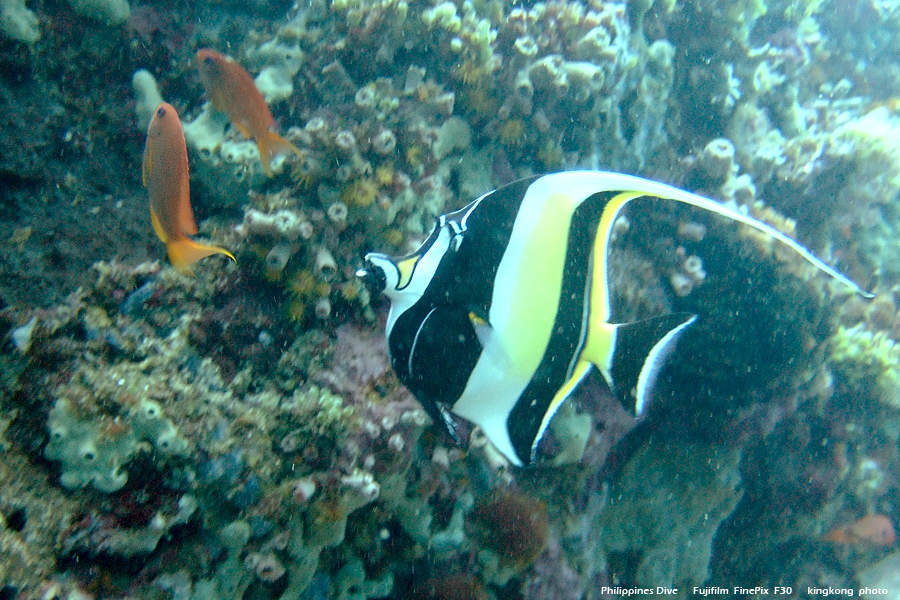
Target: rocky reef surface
x=241 y=434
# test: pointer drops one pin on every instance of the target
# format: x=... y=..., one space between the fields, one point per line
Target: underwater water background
x=240 y=433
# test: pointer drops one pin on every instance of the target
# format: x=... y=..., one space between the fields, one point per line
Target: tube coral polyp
x=361 y=192
x=512 y=133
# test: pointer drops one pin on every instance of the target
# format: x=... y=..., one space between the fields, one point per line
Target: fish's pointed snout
x=373 y=276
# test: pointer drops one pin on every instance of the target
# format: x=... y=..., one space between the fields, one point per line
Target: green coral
x=150 y=424
x=804 y=9
x=329 y=409
x=862 y=355
x=93 y=450
x=742 y=15
x=90 y=453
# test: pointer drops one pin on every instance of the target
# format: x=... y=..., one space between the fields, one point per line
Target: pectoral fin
x=489 y=340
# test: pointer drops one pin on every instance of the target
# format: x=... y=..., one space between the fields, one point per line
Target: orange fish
x=871 y=529
x=166 y=178
x=234 y=93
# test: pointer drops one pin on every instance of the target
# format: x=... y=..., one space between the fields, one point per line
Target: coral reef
x=92 y=449
x=34 y=517
x=18 y=23
x=864 y=357
x=113 y=12
x=514 y=526
x=672 y=528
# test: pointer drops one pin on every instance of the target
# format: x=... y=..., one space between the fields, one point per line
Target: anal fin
x=157 y=227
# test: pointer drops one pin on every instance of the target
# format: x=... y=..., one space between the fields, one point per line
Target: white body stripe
x=412 y=350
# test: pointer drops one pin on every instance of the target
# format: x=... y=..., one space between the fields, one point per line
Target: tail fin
x=270 y=145
x=639 y=352
x=184 y=252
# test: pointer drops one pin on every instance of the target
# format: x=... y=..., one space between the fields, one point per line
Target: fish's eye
x=208 y=60
x=161 y=112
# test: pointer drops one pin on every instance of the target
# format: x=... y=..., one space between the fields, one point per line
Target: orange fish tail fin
x=184 y=252
x=270 y=145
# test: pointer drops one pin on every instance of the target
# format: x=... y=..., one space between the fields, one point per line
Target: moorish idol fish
x=166 y=178
x=233 y=92
x=504 y=309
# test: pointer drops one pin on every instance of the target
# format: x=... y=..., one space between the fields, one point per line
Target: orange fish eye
x=161 y=112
